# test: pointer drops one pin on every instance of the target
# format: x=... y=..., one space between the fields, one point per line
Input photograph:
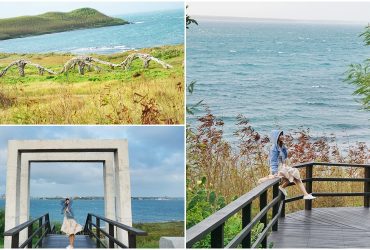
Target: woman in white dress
x=70 y=227
x=277 y=160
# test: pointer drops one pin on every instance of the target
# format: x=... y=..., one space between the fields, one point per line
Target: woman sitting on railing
x=278 y=157
x=70 y=227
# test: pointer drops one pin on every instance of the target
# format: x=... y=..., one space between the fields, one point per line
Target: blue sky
x=156 y=155
x=20 y=8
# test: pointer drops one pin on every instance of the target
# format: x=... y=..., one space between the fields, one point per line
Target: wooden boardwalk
x=61 y=241
x=343 y=227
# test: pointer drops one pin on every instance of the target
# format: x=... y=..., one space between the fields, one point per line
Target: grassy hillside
x=136 y=96
x=55 y=22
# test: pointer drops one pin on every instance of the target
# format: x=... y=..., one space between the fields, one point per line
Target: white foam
x=232 y=51
x=102 y=49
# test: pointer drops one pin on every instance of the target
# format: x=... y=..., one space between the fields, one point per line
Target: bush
x=2 y=226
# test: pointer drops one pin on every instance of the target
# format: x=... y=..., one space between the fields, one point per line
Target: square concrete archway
x=112 y=153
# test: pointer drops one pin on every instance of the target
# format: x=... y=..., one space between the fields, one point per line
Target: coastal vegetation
x=156 y=231
x=2 y=227
x=359 y=75
x=218 y=172
x=52 y=22
x=153 y=95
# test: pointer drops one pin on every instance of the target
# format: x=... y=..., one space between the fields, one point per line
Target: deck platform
x=343 y=227
x=62 y=241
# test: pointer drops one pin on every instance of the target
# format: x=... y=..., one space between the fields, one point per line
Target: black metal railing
x=310 y=179
x=43 y=228
x=112 y=225
x=214 y=224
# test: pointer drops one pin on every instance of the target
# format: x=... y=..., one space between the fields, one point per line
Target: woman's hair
x=280 y=143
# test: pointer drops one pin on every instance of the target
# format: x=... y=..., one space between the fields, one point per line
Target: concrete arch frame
x=113 y=154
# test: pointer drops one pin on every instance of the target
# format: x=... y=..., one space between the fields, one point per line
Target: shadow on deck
x=62 y=241
x=343 y=227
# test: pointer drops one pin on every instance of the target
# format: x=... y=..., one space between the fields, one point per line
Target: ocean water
x=279 y=75
x=148 y=30
x=142 y=210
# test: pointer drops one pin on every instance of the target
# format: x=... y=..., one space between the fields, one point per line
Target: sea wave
x=107 y=49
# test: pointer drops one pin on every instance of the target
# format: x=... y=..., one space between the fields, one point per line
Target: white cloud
x=156 y=160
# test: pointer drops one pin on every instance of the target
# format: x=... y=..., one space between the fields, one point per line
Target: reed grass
x=215 y=168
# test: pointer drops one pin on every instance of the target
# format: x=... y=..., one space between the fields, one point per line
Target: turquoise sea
x=142 y=210
x=279 y=74
x=147 y=30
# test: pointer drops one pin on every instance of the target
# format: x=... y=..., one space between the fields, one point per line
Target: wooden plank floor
x=61 y=241
x=344 y=227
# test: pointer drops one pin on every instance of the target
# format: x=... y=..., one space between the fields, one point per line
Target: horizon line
x=281 y=19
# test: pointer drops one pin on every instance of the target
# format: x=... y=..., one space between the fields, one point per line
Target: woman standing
x=70 y=227
x=278 y=156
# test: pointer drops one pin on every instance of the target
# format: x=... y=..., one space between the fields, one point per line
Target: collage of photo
x=184 y=124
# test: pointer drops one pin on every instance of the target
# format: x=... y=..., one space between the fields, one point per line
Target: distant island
x=102 y=198
x=52 y=22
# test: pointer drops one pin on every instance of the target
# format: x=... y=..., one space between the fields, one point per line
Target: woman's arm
x=273 y=160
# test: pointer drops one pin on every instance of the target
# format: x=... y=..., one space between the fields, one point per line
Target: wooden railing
x=43 y=228
x=215 y=223
x=310 y=179
x=132 y=232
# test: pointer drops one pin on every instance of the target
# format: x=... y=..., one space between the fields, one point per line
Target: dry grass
x=137 y=96
x=231 y=172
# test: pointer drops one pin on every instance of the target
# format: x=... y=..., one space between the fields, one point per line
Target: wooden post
x=246 y=219
x=263 y=204
x=15 y=240
x=111 y=233
x=275 y=209
x=89 y=226
x=98 y=232
x=48 y=222
x=308 y=203
x=30 y=231
x=367 y=188
x=217 y=237
x=131 y=240
x=282 y=215
x=40 y=232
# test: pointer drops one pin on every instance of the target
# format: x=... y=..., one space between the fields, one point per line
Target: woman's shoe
x=68 y=247
x=309 y=197
x=283 y=190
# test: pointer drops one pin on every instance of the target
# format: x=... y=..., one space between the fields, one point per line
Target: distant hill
x=51 y=22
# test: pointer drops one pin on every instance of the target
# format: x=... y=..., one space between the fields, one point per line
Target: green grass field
x=158 y=230
x=55 y=22
x=136 y=96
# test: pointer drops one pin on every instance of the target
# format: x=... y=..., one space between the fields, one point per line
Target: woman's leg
x=285 y=183
x=71 y=240
x=299 y=183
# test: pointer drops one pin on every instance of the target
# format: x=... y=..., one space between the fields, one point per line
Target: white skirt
x=289 y=173
x=70 y=226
